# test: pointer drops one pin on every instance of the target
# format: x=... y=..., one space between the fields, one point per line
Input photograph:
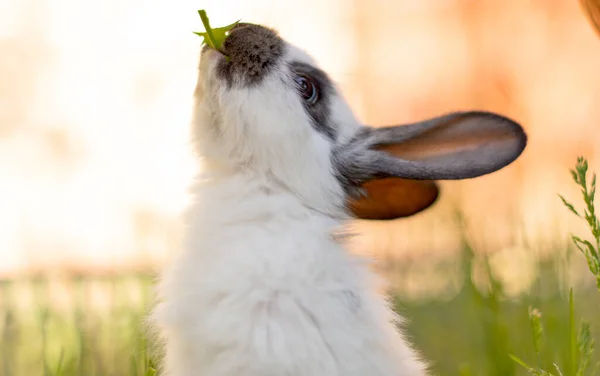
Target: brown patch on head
x=253 y=50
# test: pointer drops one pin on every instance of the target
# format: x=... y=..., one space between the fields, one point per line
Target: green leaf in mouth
x=214 y=38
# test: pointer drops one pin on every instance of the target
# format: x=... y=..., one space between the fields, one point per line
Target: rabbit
x=264 y=285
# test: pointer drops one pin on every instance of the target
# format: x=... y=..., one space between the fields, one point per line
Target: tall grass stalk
x=581 y=342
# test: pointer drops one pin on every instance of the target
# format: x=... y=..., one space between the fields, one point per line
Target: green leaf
x=591 y=252
x=214 y=38
x=574 y=175
x=592 y=193
x=520 y=362
x=570 y=206
x=532 y=370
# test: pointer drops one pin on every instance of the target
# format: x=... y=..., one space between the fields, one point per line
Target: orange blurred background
x=95 y=104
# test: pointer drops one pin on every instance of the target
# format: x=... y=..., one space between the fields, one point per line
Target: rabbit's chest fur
x=263 y=289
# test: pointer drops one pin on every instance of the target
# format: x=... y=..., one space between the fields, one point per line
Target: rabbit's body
x=263 y=289
x=263 y=286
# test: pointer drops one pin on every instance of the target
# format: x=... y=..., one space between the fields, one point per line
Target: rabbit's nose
x=253 y=50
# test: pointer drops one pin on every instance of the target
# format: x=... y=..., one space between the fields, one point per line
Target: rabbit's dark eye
x=308 y=88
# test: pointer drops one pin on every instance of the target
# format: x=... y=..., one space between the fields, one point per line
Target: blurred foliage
x=588 y=191
x=93 y=326
x=581 y=344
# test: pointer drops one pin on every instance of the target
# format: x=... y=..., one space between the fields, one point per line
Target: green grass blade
x=572 y=336
x=60 y=362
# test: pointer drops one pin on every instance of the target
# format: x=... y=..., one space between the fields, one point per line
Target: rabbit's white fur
x=263 y=287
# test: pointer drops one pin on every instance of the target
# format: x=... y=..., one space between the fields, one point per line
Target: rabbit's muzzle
x=253 y=51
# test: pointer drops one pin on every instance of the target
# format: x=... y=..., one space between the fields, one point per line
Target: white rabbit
x=264 y=286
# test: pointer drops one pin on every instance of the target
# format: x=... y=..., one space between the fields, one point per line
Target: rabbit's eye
x=308 y=88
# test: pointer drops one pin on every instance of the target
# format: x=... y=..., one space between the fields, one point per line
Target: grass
x=75 y=326
x=581 y=343
x=472 y=333
x=90 y=325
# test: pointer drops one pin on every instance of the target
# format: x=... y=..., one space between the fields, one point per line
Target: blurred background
x=95 y=105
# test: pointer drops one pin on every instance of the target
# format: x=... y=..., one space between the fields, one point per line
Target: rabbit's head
x=264 y=107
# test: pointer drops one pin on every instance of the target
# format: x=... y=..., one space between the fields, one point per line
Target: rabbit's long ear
x=392 y=198
x=459 y=145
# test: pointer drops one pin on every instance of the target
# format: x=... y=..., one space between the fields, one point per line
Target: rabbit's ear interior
x=397 y=165
x=454 y=146
x=392 y=198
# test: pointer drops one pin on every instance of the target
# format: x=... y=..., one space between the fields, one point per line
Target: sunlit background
x=95 y=105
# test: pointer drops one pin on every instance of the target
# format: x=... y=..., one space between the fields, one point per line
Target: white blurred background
x=95 y=103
